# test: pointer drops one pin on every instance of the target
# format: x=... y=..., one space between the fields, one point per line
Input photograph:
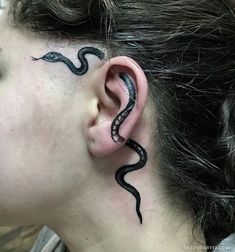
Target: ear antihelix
x=119 y=119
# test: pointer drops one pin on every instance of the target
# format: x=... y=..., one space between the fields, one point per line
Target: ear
x=121 y=89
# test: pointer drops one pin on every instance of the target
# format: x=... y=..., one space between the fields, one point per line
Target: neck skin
x=101 y=216
x=112 y=224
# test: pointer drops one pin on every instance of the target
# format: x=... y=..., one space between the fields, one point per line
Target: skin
x=55 y=57
x=58 y=159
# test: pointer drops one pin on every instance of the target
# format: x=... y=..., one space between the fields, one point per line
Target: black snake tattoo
x=55 y=57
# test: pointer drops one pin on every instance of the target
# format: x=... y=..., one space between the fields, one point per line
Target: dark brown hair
x=187 y=51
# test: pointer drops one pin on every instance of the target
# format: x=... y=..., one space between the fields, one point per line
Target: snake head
x=51 y=57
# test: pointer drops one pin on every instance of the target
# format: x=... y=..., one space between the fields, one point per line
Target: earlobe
x=126 y=83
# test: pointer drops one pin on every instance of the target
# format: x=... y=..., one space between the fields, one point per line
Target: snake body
x=119 y=119
x=55 y=57
x=122 y=171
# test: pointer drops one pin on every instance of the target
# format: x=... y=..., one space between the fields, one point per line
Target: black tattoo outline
x=119 y=119
x=122 y=171
x=55 y=57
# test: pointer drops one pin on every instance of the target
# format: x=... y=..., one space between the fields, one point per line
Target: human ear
x=121 y=88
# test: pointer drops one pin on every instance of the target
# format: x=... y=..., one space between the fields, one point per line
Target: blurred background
x=18 y=239
x=2 y=4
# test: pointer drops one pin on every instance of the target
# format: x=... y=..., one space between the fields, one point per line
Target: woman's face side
x=41 y=106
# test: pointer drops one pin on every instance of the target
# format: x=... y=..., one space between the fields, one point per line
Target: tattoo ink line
x=122 y=171
x=55 y=57
x=119 y=119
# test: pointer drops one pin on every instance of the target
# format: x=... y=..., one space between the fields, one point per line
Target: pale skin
x=58 y=159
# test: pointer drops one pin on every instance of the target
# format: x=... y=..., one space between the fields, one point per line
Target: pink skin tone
x=58 y=159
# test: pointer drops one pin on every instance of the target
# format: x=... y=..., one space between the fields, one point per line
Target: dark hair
x=187 y=51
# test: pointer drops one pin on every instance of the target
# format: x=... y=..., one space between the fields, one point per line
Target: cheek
x=28 y=119
x=27 y=143
x=39 y=140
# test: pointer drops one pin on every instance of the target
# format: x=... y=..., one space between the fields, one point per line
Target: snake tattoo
x=55 y=57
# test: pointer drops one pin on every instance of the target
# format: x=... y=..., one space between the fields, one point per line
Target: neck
x=100 y=216
x=104 y=219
